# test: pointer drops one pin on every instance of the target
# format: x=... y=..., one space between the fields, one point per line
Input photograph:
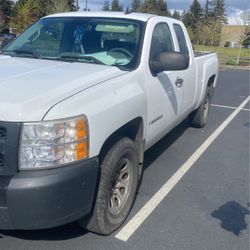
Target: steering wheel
x=122 y=50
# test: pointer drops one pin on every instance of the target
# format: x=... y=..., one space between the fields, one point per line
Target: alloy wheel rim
x=121 y=186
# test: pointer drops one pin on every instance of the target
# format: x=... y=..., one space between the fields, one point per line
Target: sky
x=233 y=7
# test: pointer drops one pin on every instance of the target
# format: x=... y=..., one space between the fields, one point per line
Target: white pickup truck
x=82 y=97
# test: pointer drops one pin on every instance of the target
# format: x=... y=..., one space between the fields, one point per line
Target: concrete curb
x=234 y=67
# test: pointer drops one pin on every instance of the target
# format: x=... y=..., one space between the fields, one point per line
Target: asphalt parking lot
x=208 y=207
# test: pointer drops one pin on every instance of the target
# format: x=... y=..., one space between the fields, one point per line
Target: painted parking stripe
x=125 y=233
x=228 y=107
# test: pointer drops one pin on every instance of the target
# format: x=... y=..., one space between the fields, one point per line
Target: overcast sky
x=233 y=7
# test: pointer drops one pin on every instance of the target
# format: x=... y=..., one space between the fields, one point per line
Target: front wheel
x=199 y=117
x=117 y=188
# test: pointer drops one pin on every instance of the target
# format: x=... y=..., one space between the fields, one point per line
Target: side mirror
x=169 y=61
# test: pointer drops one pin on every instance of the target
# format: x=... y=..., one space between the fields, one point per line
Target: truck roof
x=135 y=16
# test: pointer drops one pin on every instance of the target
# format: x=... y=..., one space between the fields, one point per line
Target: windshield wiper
x=83 y=57
x=25 y=51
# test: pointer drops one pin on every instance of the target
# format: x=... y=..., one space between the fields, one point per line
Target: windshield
x=105 y=41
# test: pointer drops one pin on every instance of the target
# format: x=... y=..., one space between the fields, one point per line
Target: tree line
x=203 y=22
x=23 y=13
x=157 y=7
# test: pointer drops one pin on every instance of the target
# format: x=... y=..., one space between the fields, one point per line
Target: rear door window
x=181 y=39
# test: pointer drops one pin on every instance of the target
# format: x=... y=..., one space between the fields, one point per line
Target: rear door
x=188 y=75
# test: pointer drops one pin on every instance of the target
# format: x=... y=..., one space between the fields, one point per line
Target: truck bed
x=206 y=66
x=202 y=53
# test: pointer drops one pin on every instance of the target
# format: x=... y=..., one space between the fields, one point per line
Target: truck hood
x=30 y=87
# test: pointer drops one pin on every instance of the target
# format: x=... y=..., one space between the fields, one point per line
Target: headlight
x=53 y=143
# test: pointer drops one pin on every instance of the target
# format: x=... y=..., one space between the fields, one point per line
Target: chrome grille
x=9 y=140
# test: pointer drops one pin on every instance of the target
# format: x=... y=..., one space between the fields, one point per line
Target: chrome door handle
x=179 y=82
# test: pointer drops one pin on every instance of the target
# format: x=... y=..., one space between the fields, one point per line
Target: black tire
x=199 y=117
x=120 y=167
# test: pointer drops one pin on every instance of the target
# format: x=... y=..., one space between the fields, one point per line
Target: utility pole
x=86 y=7
x=77 y=5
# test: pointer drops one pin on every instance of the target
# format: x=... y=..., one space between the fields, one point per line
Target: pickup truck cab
x=82 y=97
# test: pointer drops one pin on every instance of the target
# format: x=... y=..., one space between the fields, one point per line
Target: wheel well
x=211 y=80
x=132 y=130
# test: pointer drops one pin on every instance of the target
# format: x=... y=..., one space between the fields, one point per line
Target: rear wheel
x=117 y=188
x=199 y=117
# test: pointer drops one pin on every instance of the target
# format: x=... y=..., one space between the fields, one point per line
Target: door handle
x=179 y=82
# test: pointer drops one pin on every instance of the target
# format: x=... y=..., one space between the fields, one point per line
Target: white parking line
x=227 y=107
x=125 y=233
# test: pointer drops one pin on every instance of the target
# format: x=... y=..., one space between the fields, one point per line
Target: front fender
x=108 y=106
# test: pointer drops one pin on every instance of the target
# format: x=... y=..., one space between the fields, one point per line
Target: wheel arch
x=211 y=85
x=133 y=130
x=211 y=81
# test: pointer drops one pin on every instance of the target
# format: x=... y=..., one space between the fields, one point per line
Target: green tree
x=162 y=8
x=136 y=5
x=183 y=14
x=158 y=7
x=245 y=16
x=206 y=24
x=2 y=22
x=216 y=18
x=45 y=7
x=106 y=6
x=57 y=6
x=191 y=34
x=115 y=6
x=196 y=11
x=150 y=6
x=193 y=16
x=218 y=12
x=176 y=15
x=204 y=34
x=6 y=7
x=17 y=5
x=245 y=37
x=208 y=9
x=25 y=13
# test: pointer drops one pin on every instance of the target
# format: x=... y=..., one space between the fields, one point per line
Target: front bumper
x=47 y=198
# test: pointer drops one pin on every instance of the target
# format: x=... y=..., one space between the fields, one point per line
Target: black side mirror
x=169 y=61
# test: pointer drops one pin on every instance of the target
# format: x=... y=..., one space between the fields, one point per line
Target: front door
x=164 y=91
